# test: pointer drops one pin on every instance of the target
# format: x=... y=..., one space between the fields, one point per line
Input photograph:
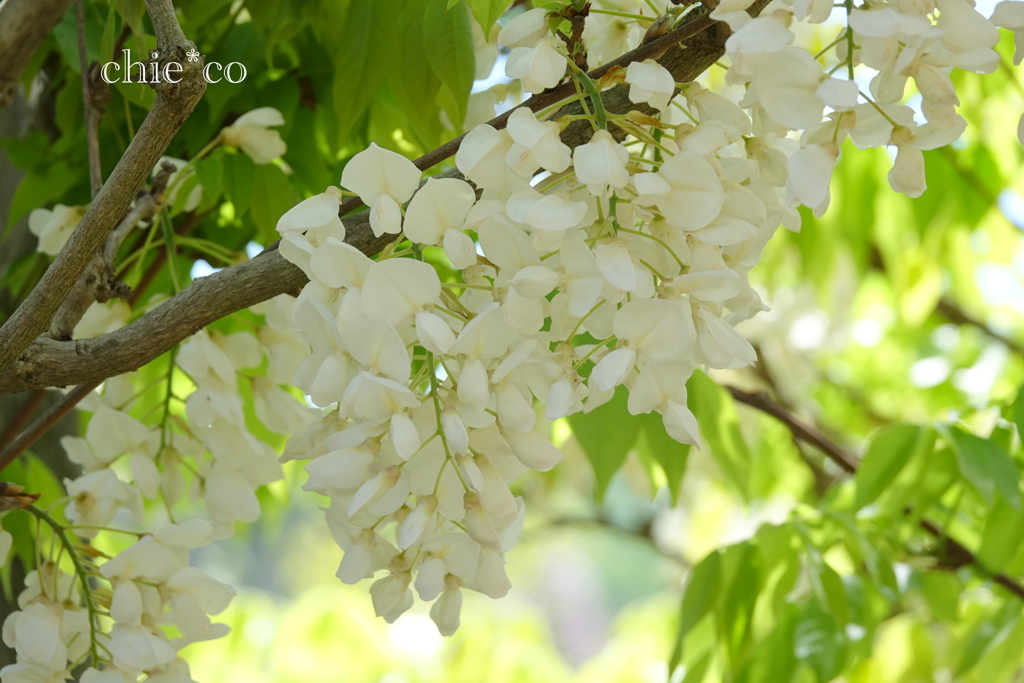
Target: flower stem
x=592 y=92
x=83 y=577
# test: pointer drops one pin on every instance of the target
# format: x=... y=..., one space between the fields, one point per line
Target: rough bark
x=174 y=102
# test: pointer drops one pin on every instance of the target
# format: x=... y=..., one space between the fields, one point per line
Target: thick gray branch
x=24 y=24
x=52 y=363
x=174 y=103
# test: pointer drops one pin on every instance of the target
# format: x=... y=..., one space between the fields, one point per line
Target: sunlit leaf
x=606 y=434
x=889 y=452
x=987 y=466
x=450 y=54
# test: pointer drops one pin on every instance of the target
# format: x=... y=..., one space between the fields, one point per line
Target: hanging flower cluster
x=623 y=261
x=579 y=270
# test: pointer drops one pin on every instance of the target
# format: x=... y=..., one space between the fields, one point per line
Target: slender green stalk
x=83 y=576
x=593 y=93
x=440 y=429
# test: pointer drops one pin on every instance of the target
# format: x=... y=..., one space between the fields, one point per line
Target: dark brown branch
x=92 y=111
x=951 y=549
x=24 y=414
x=44 y=423
x=958 y=316
x=50 y=362
x=800 y=429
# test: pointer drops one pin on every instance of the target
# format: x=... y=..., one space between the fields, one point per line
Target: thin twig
x=44 y=423
x=92 y=114
x=958 y=316
x=98 y=281
x=15 y=426
x=24 y=25
x=80 y=571
x=184 y=228
x=801 y=429
x=951 y=547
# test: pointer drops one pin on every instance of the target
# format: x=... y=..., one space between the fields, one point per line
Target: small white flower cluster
x=788 y=90
x=151 y=585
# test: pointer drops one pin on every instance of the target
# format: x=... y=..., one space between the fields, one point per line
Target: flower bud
x=474 y=389
x=404 y=436
x=373 y=490
x=455 y=431
x=416 y=522
x=446 y=610
x=478 y=524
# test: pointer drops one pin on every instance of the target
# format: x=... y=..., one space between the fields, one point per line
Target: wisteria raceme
x=623 y=261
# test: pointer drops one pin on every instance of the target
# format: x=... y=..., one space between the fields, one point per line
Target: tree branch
x=42 y=425
x=24 y=25
x=55 y=363
x=174 y=102
x=800 y=429
x=98 y=281
x=91 y=107
x=950 y=547
x=958 y=316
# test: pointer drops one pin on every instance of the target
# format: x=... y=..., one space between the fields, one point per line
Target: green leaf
x=487 y=12
x=210 y=173
x=720 y=429
x=773 y=660
x=272 y=195
x=364 y=55
x=697 y=672
x=988 y=634
x=132 y=11
x=889 y=452
x=304 y=155
x=671 y=455
x=1003 y=535
x=414 y=83
x=449 y=36
x=942 y=592
x=743 y=563
x=37 y=189
x=819 y=643
x=1017 y=412
x=986 y=465
x=606 y=434
x=701 y=594
x=238 y=181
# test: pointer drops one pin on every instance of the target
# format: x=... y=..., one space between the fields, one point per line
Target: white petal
x=376 y=171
